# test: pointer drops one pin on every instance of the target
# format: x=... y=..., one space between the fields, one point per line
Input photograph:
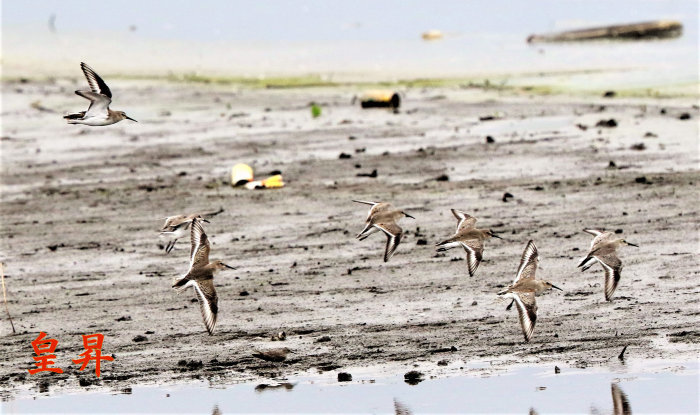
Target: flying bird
x=604 y=250
x=382 y=217
x=469 y=238
x=98 y=113
x=176 y=227
x=200 y=275
x=524 y=289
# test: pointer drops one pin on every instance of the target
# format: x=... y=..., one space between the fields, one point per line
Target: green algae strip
x=510 y=84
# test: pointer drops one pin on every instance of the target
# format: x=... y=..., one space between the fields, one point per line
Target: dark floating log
x=635 y=31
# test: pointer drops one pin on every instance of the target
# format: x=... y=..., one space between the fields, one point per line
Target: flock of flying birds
x=381 y=217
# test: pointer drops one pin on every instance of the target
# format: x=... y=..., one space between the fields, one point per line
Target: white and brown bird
x=98 y=113
x=604 y=250
x=272 y=355
x=383 y=217
x=200 y=275
x=524 y=289
x=469 y=238
x=176 y=227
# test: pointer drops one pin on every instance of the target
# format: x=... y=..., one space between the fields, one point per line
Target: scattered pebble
x=372 y=175
x=421 y=242
x=323 y=339
x=507 y=196
x=442 y=362
x=684 y=116
x=344 y=377
x=443 y=178
x=140 y=338
x=344 y=156
x=490 y=140
x=124 y=318
x=638 y=147
x=557 y=370
x=84 y=382
x=413 y=377
x=191 y=364
x=243 y=293
x=609 y=94
x=607 y=123
x=642 y=180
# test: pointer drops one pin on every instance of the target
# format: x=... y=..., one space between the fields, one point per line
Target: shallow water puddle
x=671 y=388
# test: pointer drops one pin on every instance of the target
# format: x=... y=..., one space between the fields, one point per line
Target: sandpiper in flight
x=98 y=113
x=176 y=227
x=200 y=276
x=524 y=289
x=469 y=238
x=604 y=250
x=382 y=217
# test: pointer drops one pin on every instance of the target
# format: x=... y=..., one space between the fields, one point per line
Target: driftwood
x=636 y=31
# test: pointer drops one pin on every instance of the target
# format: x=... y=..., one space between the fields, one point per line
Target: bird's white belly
x=93 y=121
x=98 y=121
x=176 y=234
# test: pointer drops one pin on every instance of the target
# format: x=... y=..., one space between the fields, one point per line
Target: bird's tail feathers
x=179 y=284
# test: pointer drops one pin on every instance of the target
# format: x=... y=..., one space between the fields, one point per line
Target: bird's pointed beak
x=129 y=118
x=204 y=220
x=634 y=245
x=408 y=216
x=228 y=266
x=554 y=286
x=496 y=236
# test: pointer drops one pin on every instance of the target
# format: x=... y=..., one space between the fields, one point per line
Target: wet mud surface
x=81 y=208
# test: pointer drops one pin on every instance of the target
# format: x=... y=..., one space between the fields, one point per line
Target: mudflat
x=81 y=207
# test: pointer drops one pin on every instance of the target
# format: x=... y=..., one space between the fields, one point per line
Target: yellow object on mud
x=380 y=99
x=241 y=174
x=273 y=182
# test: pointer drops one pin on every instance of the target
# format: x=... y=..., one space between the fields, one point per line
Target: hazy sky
x=310 y=20
x=255 y=38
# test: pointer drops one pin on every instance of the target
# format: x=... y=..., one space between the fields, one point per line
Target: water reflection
x=621 y=405
x=401 y=409
x=533 y=389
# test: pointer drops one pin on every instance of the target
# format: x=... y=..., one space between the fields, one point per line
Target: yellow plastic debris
x=273 y=182
x=241 y=174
